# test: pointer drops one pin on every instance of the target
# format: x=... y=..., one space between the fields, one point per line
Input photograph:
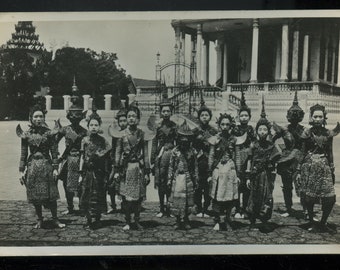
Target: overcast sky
x=135 y=37
x=135 y=42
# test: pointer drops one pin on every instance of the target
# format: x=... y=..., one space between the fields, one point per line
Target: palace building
x=263 y=56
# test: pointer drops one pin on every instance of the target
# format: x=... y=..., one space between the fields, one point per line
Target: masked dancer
x=291 y=155
x=182 y=178
x=69 y=160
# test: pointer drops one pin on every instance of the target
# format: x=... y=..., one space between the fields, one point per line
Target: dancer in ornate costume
x=132 y=167
x=74 y=133
x=113 y=186
x=183 y=176
x=39 y=169
x=291 y=155
x=94 y=172
x=260 y=173
x=223 y=180
x=316 y=170
x=200 y=142
x=245 y=136
x=162 y=145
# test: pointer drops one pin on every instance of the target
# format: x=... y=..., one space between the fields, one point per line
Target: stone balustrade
x=278 y=98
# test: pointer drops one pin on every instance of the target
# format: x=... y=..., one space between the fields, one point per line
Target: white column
x=284 y=53
x=107 y=102
x=305 y=58
x=66 y=102
x=182 y=57
x=218 y=60
x=225 y=63
x=315 y=57
x=325 y=74
x=86 y=102
x=193 y=46
x=205 y=73
x=278 y=60
x=333 y=60
x=225 y=102
x=91 y=103
x=193 y=59
x=177 y=55
x=199 y=52
x=132 y=98
x=254 y=51
x=48 y=102
x=338 y=82
x=295 y=56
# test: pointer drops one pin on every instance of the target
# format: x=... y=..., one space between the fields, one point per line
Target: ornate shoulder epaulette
x=213 y=140
x=20 y=133
x=114 y=130
x=241 y=139
x=306 y=133
x=57 y=127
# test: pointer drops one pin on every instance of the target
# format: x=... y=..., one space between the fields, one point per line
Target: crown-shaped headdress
x=39 y=105
x=295 y=111
x=75 y=98
x=318 y=107
x=204 y=108
x=121 y=111
x=226 y=116
x=134 y=107
x=263 y=117
x=243 y=105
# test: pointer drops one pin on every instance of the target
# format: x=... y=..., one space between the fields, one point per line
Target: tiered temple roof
x=25 y=38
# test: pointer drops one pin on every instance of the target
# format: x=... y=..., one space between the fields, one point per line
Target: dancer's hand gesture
x=248 y=183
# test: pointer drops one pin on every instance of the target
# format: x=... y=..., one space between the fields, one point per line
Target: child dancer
x=132 y=167
x=182 y=179
x=224 y=181
x=261 y=174
x=93 y=172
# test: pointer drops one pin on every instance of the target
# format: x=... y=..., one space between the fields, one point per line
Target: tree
x=19 y=81
x=96 y=74
x=23 y=62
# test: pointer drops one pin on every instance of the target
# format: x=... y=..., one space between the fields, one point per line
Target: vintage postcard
x=153 y=133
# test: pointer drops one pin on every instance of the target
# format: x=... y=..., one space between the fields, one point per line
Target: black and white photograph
x=170 y=132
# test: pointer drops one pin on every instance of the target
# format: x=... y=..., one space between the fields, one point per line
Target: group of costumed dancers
x=199 y=171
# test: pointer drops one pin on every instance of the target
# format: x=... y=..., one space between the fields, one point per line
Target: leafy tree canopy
x=23 y=73
x=96 y=73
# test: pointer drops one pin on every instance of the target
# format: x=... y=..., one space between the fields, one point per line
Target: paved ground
x=17 y=219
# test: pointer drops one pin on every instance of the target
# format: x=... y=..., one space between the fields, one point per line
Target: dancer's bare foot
x=216 y=227
x=39 y=224
x=58 y=224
